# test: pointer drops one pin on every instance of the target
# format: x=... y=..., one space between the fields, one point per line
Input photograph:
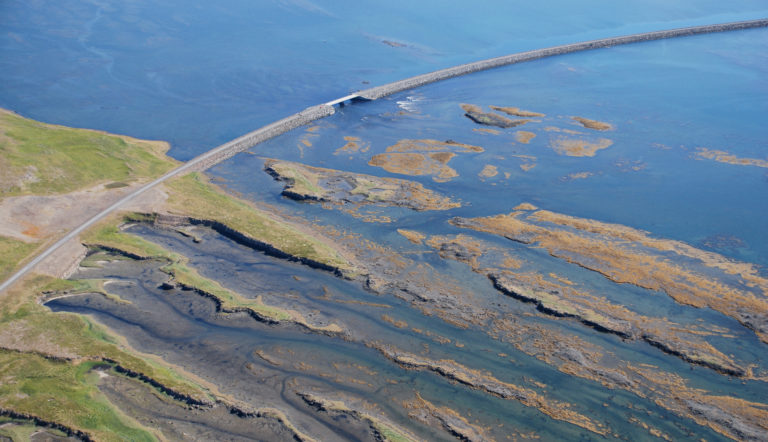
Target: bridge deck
x=313 y=113
x=342 y=99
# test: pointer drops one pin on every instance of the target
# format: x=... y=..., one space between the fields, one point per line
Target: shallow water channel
x=266 y=365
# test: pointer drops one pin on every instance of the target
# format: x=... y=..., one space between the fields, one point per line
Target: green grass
x=45 y=159
x=40 y=330
x=194 y=196
x=62 y=392
x=12 y=252
x=42 y=159
x=19 y=430
x=108 y=235
x=229 y=299
x=303 y=181
x=390 y=434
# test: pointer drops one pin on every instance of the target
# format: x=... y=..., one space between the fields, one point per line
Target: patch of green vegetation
x=193 y=195
x=302 y=182
x=12 y=252
x=95 y=259
x=22 y=430
x=108 y=235
x=72 y=287
x=68 y=287
x=60 y=391
x=390 y=434
x=38 y=158
x=17 y=430
x=139 y=217
x=45 y=356
x=229 y=299
x=373 y=191
x=34 y=328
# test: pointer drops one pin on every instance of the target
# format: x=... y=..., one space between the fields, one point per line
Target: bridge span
x=342 y=100
x=312 y=113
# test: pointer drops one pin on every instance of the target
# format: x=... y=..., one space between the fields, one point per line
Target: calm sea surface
x=197 y=73
x=200 y=73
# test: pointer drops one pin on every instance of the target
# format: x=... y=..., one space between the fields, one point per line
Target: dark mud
x=266 y=365
x=178 y=421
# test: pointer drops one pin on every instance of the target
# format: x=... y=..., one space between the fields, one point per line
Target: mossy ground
x=23 y=429
x=107 y=235
x=229 y=299
x=193 y=195
x=47 y=375
x=63 y=392
x=13 y=252
x=45 y=362
x=44 y=159
x=46 y=358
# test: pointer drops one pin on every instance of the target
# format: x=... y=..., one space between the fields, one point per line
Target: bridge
x=348 y=98
x=240 y=144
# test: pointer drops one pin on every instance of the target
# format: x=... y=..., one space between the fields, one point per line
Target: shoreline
x=312 y=113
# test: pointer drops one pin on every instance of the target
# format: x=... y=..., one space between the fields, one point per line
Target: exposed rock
x=524 y=136
x=556 y=296
x=736 y=426
x=422 y=157
x=593 y=124
x=486 y=382
x=517 y=112
x=629 y=256
x=412 y=236
x=476 y=114
x=551 y=303
x=360 y=411
x=449 y=419
x=573 y=147
x=722 y=156
x=327 y=185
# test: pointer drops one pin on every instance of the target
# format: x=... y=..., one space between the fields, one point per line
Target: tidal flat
x=293 y=368
x=588 y=276
x=544 y=263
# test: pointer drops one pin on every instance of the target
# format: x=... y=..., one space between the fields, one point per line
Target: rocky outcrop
x=181 y=397
x=241 y=238
x=556 y=296
x=71 y=432
x=307 y=183
x=625 y=255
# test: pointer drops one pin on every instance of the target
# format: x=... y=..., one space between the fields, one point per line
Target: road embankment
x=482 y=65
x=245 y=142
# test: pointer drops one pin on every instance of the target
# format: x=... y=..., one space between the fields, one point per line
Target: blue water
x=665 y=100
x=200 y=73
x=183 y=329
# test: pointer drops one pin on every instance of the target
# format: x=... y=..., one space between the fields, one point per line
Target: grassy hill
x=42 y=159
